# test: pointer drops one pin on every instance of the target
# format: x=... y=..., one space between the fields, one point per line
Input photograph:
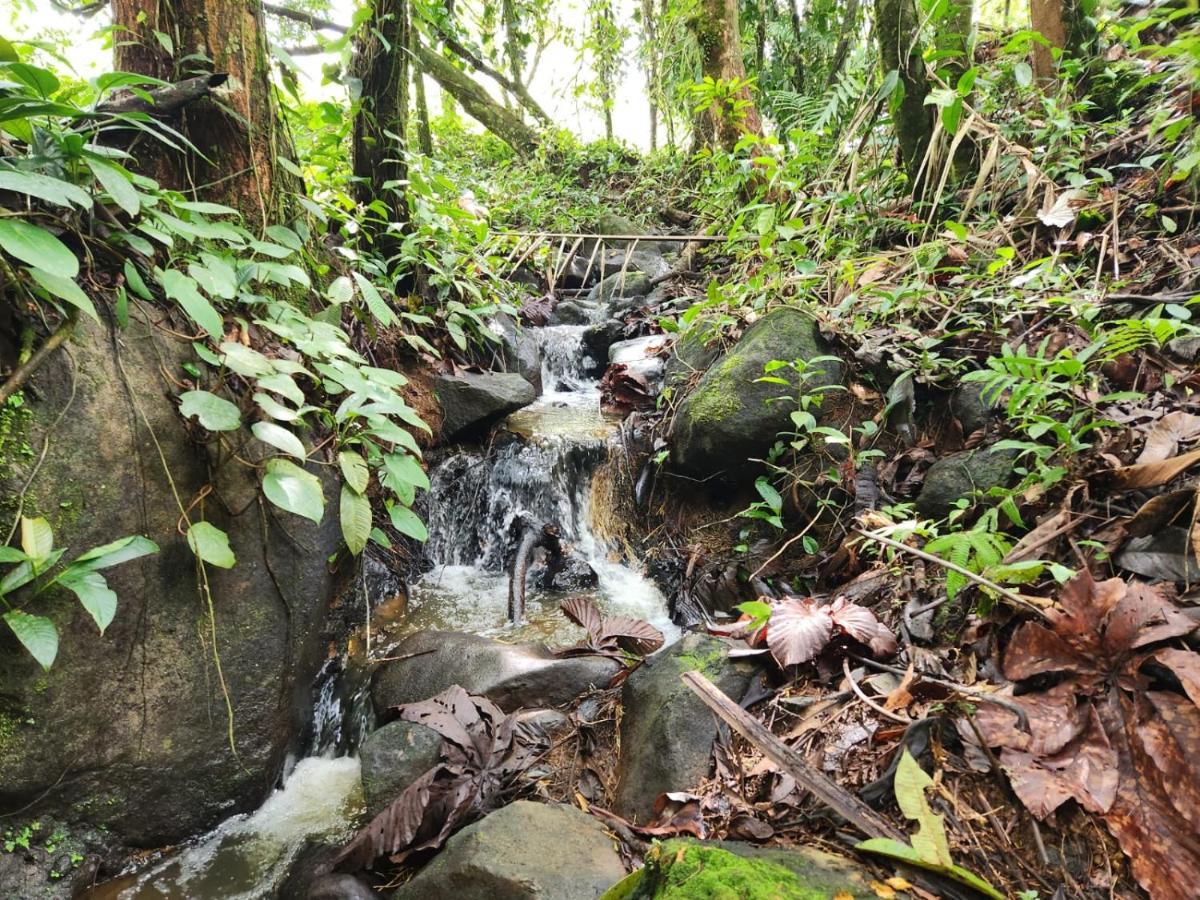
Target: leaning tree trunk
x=378 y=144
x=715 y=27
x=1064 y=25
x=240 y=147
x=478 y=104
x=900 y=50
x=420 y=104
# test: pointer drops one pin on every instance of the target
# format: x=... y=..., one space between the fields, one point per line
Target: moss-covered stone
x=732 y=416
x=726 y=870
x=962 y=475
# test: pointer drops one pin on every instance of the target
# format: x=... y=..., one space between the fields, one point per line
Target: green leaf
x=182 y=289
x=134 y=279
x=340 y=290
x=52 y=190
x=211 y=544
x=896 y=850
x=292 y=489
x=375 y=303
x=277 y=436
x=213 y=412
x=36 y=633
x=246 y=361
x=37 y=539
x=1023 y=74
x=356 y=519
x=65 y=289
x=770 y=496
x=12 y=555
x=117 y=182
x=405 y=521
x=94 y=594
x=930 y=840
x=38 y=247
x=118 y=551
x=354 y=470
x=283 y=384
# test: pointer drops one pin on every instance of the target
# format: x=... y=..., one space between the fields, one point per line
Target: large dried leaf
x=1055 y=718
x=1152 y=474
x=609 y=636
x=583 y=612
x=1186 y=666
x=1085 y=770
x=1165 y=435
x=799 y=630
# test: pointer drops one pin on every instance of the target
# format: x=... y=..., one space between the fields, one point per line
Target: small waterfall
x=565 y=361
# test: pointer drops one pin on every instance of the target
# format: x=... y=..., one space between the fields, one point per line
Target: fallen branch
x=22 y=373
x=166 y=100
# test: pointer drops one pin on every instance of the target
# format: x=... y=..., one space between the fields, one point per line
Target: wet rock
x=127 y=730
x=643 y=356
x=49 y=860
x=619 y=288
x=690 y=356
x=598 y=338
x=472 y=403
x=572 y=312
x=523 y=850
x=569 y=572
x=682 y=868
x=645 y=261
x=730 y=416
x=520 y=349
x=340 y=887
x=961 y=475
x=666 y=731
x=393 y=757
x=510 y=675
x=969 y=407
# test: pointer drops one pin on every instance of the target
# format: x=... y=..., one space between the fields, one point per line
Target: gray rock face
x=473 y=403
x=666 y=731
x=572 y=312
x=961 y=475
x=731 y=416
x=127 y=730
x=522 y=851
x=598 y=338
x=968 y=406
x=521 y=352
x=645 y=260
x=512 y=676
x=616 y=287
x=393 y=757
x=340 y=887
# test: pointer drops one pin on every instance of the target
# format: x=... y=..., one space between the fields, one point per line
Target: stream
x=540 y=467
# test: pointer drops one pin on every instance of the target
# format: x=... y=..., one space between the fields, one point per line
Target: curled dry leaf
x=611 y=636
x=623 y=390
x=1111 y=734
x=1166 y=434
x=1151 y=474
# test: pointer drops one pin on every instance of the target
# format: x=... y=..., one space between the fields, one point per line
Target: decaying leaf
x=1165 y=435
x=1114 y=733
x=623 y=390
x=1151 y=474
x=482 y=752
x=800 y=628
x=609 y=636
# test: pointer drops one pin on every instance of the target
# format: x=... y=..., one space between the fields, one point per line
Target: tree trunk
x=424 y=133
x=380 y=128
x=239 y=167
x=900 y=50
x=1064 y=25
x=477 y=102
x=849 y=30
x=650 y=52
x=715 y=27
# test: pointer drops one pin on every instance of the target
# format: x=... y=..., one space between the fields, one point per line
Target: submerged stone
x=684 y=869
x=523 y=850
x=731 y=415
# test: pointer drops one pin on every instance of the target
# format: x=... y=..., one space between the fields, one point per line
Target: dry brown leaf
x=1158 y=512
x=1165 y=435
x=1152 y=474
x=900 y=697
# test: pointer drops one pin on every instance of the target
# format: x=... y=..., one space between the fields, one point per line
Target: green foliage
x=32 y=563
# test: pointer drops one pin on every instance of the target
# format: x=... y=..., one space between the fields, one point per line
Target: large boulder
x=962 y=475
x=393 y=757
x=127 y=730
x=475 y=401
x=620 y=286
x=684 y=868
x=523 y=851
x=520 y=350
x=513 y=676
x=667 y=732
x=731 y=415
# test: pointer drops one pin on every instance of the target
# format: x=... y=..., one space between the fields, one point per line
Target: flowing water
x=540 y=469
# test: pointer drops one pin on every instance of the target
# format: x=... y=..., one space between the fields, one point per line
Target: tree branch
x=164 y=101
x=317 y=23
x=22 y=373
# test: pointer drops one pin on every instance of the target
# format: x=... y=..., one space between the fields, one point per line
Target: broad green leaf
x=375 y=303
x=275 y=409
x=1023 y=74
x=133 y=278
x=770 y=496
x=52 y=190
x=405 y=521
x=37 y=539
x=246 y=361
x=402 y=475
x=36 y=633
x=211 y=544
x=930 y=840
x=94 y=594
x=38 y=247
x=896 y=850
x=277 y=436
x=65 y=289
x=41 y=80
x=284 y=235
x=340 y=290
x=12 y=555
x=356 y=519
x=292 y=489
x=182 y=289
x=283 y=384
x=119 y=551
x=215 y=281
x=354 y=470
x=116 y=181
x=213 y=412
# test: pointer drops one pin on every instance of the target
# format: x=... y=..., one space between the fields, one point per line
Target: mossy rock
x=732 y=416
x=728 y=870
x=961 y=475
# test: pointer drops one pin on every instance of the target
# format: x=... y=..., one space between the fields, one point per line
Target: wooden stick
x=681 y=238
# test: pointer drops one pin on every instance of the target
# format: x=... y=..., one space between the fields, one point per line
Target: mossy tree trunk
x=715 y=27
x=1064 y=23
x=380 y=128
x=176 y=39
x=900 y=50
